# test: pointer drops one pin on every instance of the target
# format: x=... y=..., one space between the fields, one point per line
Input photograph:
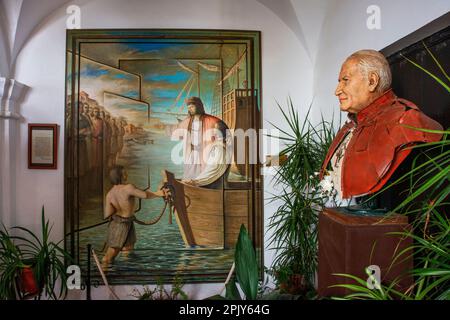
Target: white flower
x=327 y=184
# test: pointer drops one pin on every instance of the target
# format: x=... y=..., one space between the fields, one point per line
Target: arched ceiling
x=23 y=18
x=286 y=12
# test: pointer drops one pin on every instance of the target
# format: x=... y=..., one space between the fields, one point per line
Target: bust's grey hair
x=373 y=61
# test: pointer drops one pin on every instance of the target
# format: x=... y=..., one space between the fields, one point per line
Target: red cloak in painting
x=208 y=123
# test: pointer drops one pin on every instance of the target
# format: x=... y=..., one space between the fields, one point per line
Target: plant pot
x=295 y=285
x=27 y=283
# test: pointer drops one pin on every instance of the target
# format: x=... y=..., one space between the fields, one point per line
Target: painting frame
x=76 y=38
x=43 y=137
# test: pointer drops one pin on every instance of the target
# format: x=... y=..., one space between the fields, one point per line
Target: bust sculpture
x=377 y=137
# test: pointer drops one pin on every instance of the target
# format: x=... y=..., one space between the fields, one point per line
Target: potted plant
x=31 y=265
x=294 y=223
x=15 y=276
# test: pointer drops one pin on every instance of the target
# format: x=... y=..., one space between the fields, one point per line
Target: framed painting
x=150 y=117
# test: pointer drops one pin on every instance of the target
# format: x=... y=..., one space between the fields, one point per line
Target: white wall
x=40 y=65
x=311 y=15
x=344 y=31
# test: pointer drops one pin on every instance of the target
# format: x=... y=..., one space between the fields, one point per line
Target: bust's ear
x=374 y=80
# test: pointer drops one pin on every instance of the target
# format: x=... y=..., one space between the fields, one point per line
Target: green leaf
x=441 y=132
x=436 y=61
x=246 y=265
x=442 y=83
x=232 y=292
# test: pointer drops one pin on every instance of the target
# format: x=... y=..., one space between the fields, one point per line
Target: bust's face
x=353 y=88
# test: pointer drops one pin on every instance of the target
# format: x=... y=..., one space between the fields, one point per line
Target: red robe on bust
x=379 y=143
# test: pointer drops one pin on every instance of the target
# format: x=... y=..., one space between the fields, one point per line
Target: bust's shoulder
x=395 y=119
x=397 y=111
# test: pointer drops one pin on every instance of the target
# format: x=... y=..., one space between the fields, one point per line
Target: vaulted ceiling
x=20 y=19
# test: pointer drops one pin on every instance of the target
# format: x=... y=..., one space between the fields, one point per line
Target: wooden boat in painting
x=209 y=217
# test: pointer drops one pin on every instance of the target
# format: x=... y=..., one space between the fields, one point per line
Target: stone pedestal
x=349 y=244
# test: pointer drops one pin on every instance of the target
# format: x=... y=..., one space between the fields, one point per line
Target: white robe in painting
x=216 y=163
x=198 y=135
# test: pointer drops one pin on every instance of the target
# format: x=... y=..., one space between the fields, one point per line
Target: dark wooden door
x=413 y=84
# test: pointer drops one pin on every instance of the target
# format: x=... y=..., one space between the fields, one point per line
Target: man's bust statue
x=373 y=142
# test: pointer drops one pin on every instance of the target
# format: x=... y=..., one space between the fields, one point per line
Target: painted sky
x=166 y=83
x=133 y=111
x=97 y=78
x=169 y=73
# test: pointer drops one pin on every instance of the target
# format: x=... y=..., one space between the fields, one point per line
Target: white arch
x=33 y=14
x=284 y=10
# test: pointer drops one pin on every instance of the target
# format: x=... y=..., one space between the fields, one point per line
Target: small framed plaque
x=42 y=146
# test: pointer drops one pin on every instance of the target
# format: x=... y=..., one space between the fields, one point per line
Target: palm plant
x=428 y=188
x=294 y=223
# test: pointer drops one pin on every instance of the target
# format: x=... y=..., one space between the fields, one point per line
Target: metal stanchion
x=88 y=277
